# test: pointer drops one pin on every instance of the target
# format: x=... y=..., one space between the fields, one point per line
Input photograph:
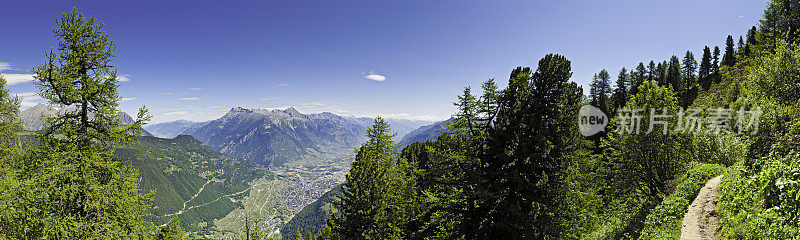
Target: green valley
x=190 y=180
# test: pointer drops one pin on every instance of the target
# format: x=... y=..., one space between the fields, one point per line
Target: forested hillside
x=190 y=180
x=516 y=167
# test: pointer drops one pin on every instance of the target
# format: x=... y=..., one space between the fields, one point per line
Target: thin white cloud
x=176 y=113
x=189 y=99
x=411 y=117
x=167 y=93
x=216 y=107
x=127 y=99
x=5 y=66
x=195 y=89
x=375 y=77
x=14 y=79
x=313 y=104
x=30 y=99
x=124 y=77
x=282 y=85
x=278 y=107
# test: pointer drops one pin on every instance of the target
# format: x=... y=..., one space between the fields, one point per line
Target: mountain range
x=275 y=137
x=172 y=129
x=425 y=133
x=34 y=118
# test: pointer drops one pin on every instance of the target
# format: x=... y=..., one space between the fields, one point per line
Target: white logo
x=591 y=120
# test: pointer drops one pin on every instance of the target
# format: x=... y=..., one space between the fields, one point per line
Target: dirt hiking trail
x=700 y=221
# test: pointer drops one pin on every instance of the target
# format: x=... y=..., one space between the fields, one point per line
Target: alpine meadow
x=315 y=120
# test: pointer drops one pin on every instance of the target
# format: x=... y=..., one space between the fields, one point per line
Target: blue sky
x=197 y=59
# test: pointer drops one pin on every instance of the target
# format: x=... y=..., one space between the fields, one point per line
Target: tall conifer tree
x=601 y=89
x=88 y=194
x=729 y=59
x=705 y=68
x=621 y=89
x=688 y=87
x=377 y=190
x=674 y=73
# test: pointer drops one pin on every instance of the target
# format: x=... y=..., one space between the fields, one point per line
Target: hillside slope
x=190 y=180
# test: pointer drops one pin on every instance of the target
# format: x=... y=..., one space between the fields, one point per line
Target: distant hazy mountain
x=400 y=126
x=34 y=118
x=405 y=126
x=172 y=129
x=273 y=137
x=425 y=133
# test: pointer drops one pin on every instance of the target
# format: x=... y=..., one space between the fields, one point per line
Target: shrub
x=664 y=222
x=762 y=202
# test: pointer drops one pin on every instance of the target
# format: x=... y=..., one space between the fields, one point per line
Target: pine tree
x=639 y=75
x=664 y=72
x=729 y=59
x=526 y=149
x=621 y=89
x=467 y=112
x=740 y=46
x=751 y=41
x=715 y=66
x=487 y=110
x=705 y=69
x=601 y=89
x=87 y=194
x=651 y=71
x=449 y=170
x=80 y=78
x=660 y=77
x=674 y=73
x=376 y=191
x=689 y=65
x=688 y=88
